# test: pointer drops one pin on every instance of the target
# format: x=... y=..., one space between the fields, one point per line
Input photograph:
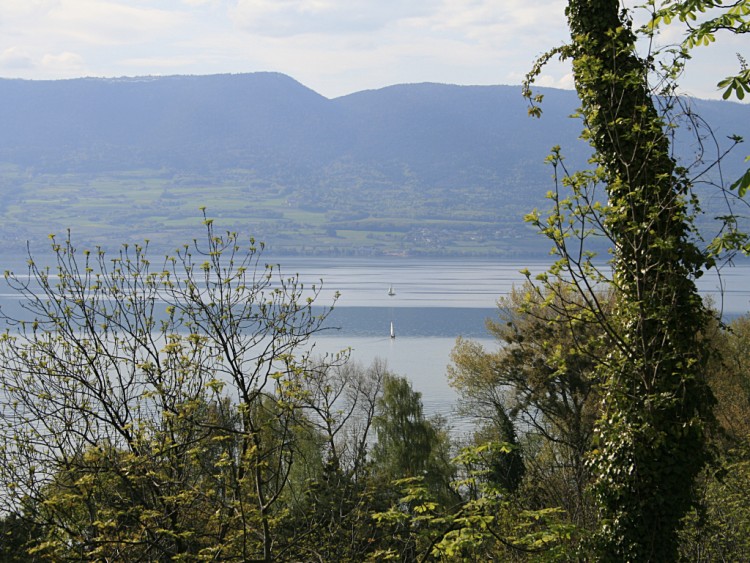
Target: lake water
x=435 y=301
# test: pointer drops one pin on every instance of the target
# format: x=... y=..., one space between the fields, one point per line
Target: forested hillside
x=410 y=169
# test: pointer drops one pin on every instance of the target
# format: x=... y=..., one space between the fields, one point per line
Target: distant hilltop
x=414 y=167
x=268 y=121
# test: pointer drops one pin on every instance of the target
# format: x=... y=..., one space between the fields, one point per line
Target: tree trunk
x=650 y=442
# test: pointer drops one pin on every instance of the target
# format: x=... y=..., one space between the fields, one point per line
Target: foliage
x=407 y=444
x=704 y=19
x=330 y=516
x=428 y=516
x=502 y=458
x=650 y=441
x=543 y=376
x=18 y=535
x=154 y=412
x=486 y=525
x=729 y=378
x=174 y=413
x=717 y=529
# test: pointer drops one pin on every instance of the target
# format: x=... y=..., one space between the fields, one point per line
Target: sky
x=335 y=47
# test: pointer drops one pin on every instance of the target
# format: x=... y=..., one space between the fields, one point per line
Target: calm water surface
x=436 y=301
x=455 y=283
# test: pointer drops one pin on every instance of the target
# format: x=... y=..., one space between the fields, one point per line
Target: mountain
x=177 y=121
x=208 y=123
x=411 y=169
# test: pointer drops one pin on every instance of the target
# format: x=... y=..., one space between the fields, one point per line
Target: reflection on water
x=437 y=300
x=414 y=322
x=416 y=282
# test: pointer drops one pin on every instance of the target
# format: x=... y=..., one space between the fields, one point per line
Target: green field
x=110 y=208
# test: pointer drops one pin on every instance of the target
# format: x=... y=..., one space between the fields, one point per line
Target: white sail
x=393 y=332
x=391 y=291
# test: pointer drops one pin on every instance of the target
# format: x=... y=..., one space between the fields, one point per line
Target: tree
x=411 y=462
x=408 y=444
x=487 y=524
x=543 y=377
x=17 y=535
x=154 y=413
x=704 y=19
x=340 y=400
x=717 y=530
x=650 y=439
x=502 y=462
x=729 y=377
x=330 y=516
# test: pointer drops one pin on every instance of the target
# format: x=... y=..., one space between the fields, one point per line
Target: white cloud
x=325 y=44
x=109 y=23
x=19 y=8
x=510 y=24
x=19 y=63
x=294 y=17
x=159 y=64
x=64 y=64
x=552 y=81
x=16 y=58
x=333 y=46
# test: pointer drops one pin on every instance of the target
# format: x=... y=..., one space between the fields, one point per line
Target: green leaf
x=742 y=184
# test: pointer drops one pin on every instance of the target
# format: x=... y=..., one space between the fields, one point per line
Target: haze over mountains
x=268 y=122
x=409 y=169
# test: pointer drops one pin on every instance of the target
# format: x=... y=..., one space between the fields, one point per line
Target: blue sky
x=334 y=47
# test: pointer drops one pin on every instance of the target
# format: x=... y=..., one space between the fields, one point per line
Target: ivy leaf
x=742 y=184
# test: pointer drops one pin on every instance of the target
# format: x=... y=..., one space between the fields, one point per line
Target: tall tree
x=408 y=444
x=649 y=440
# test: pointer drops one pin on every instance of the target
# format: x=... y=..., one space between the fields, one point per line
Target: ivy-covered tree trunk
x=650 y=439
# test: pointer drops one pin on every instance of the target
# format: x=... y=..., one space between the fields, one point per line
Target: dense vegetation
x=168 y=411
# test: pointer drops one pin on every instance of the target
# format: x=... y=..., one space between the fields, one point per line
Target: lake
x=436 y=301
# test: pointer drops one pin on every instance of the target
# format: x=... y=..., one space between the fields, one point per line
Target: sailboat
x=393 y=332
x=391 y=291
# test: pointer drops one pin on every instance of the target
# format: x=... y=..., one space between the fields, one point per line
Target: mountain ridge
x=422 y=168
